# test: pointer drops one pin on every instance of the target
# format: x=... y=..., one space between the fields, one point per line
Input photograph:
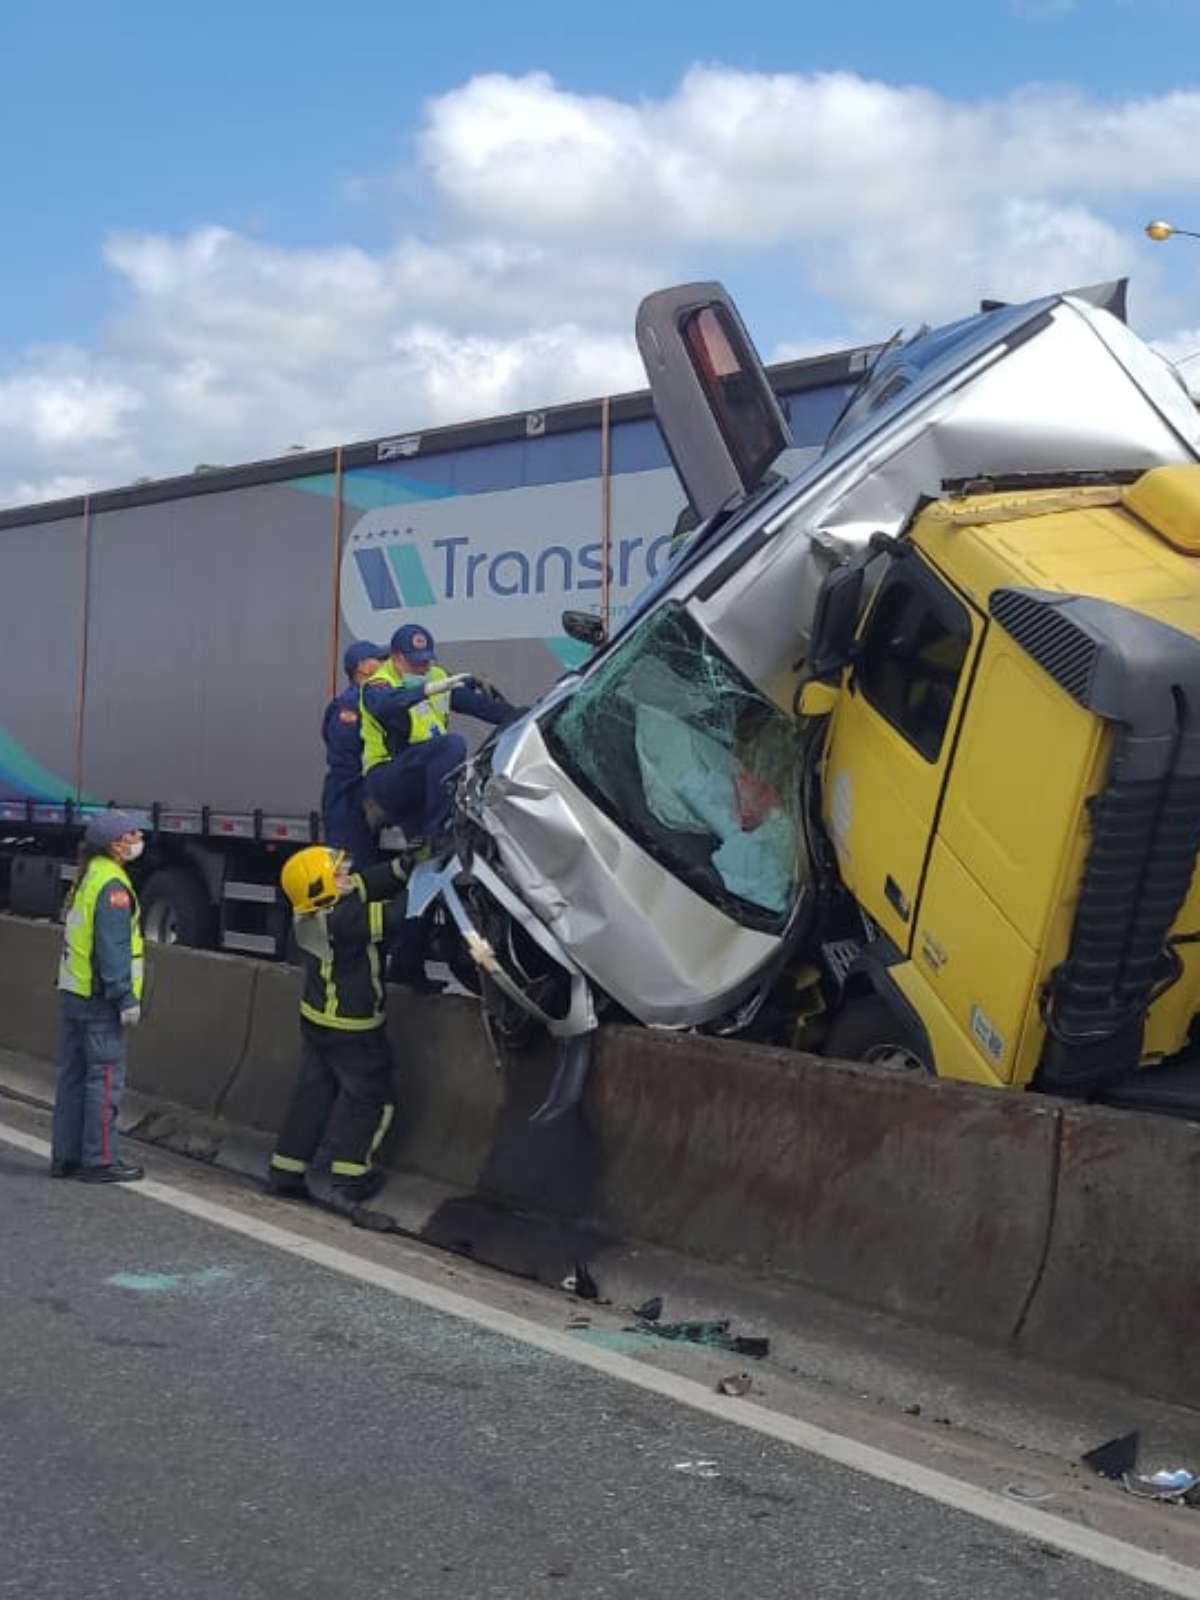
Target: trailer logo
x=394 y=576
x=491 y=566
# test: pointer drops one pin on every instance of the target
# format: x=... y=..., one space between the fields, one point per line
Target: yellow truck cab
x=1011 y=780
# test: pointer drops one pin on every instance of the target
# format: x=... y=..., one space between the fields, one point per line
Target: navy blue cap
x=106 y=827
x=414 y=642
x=364 y=650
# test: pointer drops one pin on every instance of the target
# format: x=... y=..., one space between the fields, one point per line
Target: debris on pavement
x=737 y=1384
x=1118 y=1459
x=1114 y=1459
x=581 y=1283
x=755 y=1347
x=710 y=1333
x=1029 y=1489
x=1177 y=1485
x=649 y=1310
x=714 y=1334
x=699 y=1469
x=912 y=1411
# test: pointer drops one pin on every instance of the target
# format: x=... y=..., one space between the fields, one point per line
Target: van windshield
x=670 y=740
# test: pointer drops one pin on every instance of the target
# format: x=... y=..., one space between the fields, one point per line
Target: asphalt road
x=188 y=1414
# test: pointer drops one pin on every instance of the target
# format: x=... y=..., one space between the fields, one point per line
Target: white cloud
x=553 y=212
x=230 y=349
x=897 y=198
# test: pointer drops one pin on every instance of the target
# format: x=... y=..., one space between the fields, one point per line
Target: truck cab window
x=911 y=655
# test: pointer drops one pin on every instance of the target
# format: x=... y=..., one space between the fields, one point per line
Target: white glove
x=131 y=1016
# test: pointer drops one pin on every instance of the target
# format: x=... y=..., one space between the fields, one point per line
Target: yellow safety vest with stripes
x=426 y=720
x=77 y=968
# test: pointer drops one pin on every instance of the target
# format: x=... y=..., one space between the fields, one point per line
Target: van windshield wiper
x=863 y=383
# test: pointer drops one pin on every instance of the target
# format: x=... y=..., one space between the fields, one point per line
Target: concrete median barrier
x=196 y=1019
x=258 y=1094
x=449 y=1091
x=29 y=953
x=928 y=1200
x=1120 y=1295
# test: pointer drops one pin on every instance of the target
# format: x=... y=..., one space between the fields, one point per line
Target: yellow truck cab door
x=891 y=738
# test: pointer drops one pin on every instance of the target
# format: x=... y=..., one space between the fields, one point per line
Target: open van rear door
x=719 y=416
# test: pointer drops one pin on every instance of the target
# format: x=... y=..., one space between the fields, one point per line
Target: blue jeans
x=411 y=788
x=91 y=1082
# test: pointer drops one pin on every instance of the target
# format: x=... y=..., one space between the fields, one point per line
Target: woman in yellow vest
x=100 y=987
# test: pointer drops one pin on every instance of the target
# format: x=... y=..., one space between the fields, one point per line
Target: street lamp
x=1160 y=231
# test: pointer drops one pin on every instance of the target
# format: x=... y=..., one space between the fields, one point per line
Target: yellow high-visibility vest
x=76 y=970
x=426 y=720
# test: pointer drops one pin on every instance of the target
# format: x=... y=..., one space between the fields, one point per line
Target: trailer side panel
x=209 y=645
x=41 y=623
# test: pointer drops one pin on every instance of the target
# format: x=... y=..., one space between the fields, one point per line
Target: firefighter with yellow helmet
x=343 y=922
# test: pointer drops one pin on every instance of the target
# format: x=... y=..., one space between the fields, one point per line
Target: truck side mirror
x=585 y=627
x=835 y=619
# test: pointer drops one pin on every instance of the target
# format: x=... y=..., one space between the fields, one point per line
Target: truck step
x=250 y=944
x=260 y=893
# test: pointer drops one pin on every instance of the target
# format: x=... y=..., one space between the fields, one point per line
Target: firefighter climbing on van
x=100 y=990
x=345 y=826
x=342 y=922
x=408 y=749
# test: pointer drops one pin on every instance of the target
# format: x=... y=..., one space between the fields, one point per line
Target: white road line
x=1130 y=1560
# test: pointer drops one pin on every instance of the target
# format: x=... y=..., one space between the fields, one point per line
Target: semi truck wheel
x=175 y=909
x=868 y=1029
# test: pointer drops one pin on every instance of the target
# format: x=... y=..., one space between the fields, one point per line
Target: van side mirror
x=835 y=619
x=585 y=627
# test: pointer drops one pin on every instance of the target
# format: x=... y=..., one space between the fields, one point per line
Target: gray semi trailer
x=169 y=647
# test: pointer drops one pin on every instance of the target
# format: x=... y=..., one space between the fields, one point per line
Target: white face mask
x=133 y=851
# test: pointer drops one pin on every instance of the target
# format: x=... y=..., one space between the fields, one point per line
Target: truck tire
x=175 y=909
x=869 y=1029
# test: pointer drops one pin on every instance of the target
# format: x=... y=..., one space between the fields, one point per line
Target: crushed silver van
x=639 y=843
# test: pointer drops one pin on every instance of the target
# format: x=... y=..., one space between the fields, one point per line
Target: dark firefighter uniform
x=344 y=1086
x=345 y=827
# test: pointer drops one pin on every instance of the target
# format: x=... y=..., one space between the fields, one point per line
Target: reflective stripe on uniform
x=359 y=1169
x=325 y=1019
x=288 y=1164
x=376 y=978
x=374 y=737
x=430 y=718
x=375 y=919
x=385 y=1122
x=331 y=999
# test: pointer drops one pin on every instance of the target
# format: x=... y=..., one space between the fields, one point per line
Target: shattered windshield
x=695 y=763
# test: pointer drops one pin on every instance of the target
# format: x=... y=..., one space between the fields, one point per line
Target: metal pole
x=81 y=684
x=336 y=585
x=605 y=505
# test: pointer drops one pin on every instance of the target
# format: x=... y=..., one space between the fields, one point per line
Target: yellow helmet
x=309 y=878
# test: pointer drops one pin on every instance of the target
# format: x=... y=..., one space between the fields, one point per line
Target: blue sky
x=307 y=136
